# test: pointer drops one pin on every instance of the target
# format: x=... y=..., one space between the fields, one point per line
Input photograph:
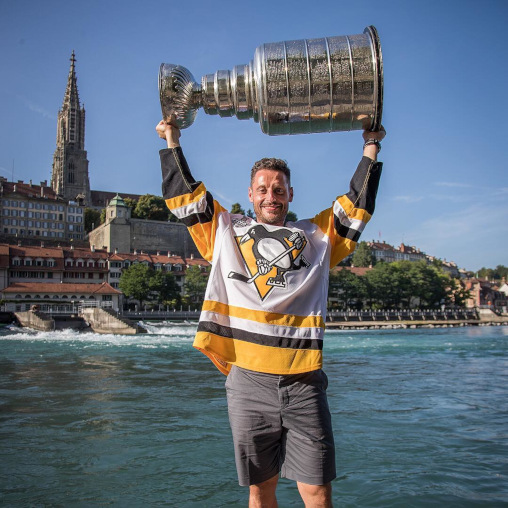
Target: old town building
x=37 y=212
x=45 y=274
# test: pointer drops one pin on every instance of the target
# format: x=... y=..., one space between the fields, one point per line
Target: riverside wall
x=36 y=320
x=103 y=321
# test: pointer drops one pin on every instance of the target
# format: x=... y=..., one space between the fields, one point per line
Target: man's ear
x=250 y=195
x=290 y=194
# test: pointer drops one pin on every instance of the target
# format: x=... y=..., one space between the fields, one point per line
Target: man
x=262 y=322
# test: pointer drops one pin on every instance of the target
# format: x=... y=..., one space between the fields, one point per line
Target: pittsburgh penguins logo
x=269 y=255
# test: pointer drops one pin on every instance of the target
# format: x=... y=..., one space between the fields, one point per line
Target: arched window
x=70 y=174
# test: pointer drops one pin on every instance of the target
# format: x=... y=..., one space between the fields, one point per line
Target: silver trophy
x=291 y=87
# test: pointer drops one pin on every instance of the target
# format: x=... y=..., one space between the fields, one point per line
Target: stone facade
x=121 y=233
x=37 y=212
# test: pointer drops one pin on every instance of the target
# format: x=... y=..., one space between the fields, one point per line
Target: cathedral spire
x=69 y=176
x=71 y=97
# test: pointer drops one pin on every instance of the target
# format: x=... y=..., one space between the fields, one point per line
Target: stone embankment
x=482 y=320
x=36 y=319
x=107 y=321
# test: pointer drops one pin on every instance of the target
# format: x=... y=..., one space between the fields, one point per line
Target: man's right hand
x=169 y=132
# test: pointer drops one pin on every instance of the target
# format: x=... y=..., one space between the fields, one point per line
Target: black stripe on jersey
x=202 y=217
x=176 y=176
x=257 y=338
x=346 y=232
x=361 y=193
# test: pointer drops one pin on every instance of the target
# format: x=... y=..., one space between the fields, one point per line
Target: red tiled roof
x=357 y=270
x=164 y=260
x=36 y=252
x=61 y=253
x=197 y=261
x=61 y=287
x=84 y=253
x=30 y=190
x=380 y=246
x=4 y=256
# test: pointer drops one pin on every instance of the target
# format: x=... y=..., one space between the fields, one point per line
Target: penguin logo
x=268 y=256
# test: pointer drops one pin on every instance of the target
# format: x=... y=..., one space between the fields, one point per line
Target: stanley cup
x=292 y=87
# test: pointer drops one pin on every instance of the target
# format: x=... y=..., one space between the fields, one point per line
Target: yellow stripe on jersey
x=351 y=211
x=225 y=352
x=186 y=199
x=259 y=316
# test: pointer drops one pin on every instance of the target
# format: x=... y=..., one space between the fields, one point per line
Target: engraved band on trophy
x=291 y=87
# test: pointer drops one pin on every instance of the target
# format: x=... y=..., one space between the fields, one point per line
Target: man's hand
x=371 y=151
x=169 y=132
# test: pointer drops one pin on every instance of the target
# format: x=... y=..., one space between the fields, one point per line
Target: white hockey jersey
x=265 y=303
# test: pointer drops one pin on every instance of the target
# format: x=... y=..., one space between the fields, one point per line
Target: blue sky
x=445 y=183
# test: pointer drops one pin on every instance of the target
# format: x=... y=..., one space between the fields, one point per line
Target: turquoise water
x=420 y=419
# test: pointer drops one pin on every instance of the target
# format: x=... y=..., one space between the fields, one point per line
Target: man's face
x=270 y=194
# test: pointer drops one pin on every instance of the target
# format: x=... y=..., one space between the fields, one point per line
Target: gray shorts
x=281 y=424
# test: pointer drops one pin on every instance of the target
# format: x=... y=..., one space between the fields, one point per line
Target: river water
x=420 y=419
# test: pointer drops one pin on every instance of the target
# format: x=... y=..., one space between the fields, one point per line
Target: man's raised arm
x=169 y=132
x=372 y=144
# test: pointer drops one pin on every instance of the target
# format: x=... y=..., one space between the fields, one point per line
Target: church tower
x=69 y=177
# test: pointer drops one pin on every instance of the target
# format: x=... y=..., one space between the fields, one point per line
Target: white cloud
x=408 y=199
x=36 y=108
x=460 y=185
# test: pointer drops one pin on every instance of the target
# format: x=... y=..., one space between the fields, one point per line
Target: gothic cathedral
x=69 y=176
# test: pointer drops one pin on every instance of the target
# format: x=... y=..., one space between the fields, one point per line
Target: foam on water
x=159 y=335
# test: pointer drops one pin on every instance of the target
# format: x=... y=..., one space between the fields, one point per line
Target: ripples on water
x=420 y=418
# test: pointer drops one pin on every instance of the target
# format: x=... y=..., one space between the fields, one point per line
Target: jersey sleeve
x=344 y=222
x=189 y=200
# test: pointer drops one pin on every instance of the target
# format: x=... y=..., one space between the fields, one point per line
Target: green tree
x=237 y=209
x=382 y=282
x=135 y=282
x=163 y=287
x=428 y=283
x=346 y=288
x=291 y=216
x=195 y=284
x=493 y=273
x=131 y=203
x=143 y=283
x=92 y=219
x=151 y=207
x=458 y=294
x=362 y=255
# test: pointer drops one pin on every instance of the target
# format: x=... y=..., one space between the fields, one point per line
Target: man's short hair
x=271 y=163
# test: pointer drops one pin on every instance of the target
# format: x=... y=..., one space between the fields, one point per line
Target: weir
x=108 y=321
